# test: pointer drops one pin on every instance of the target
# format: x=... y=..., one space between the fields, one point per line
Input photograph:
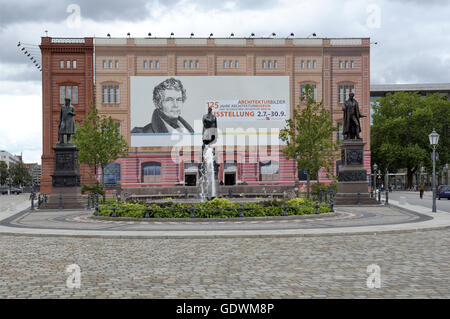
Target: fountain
x=208 y=166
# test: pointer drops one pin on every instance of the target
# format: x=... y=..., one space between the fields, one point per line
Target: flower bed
x=216 y=208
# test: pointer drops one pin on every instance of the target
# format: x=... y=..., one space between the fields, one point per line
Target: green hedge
x=216 y=208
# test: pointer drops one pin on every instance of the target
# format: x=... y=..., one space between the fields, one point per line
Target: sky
x=410 y=40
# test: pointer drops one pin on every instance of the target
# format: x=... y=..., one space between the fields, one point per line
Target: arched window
x=302 y=90
x=112 y=173
x=268 y=170
x=344 y=91
x=151 y=172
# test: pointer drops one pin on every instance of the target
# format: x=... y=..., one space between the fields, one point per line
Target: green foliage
x=317 y=188
x=399 y=134
x=216 y=208
x=99 y=141
x=97 y=188
x=19 y=174
x=3 y=172
x=309 y=136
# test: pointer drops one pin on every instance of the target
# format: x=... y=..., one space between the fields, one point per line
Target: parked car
x=14 y=190
x=443 y=192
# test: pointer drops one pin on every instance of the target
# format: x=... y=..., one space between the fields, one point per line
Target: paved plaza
x=413 y=262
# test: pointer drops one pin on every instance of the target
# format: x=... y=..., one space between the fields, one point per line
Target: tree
x=20 y=176
x=3 y=173
x=99 y=141
x=309 y=137
x=399 y=134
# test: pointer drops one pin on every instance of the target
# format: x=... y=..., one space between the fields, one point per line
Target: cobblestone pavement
x=346 y=217
x=413 y=265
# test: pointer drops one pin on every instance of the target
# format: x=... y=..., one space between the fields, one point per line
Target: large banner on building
x=168 y=110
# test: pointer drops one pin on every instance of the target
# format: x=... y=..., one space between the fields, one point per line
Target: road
x=426 y=201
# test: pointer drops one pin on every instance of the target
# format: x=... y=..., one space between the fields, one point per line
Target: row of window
x=68 y=64
x=151 y=172
x=190 y=64
x=150 y=64
x=308 y=64
x=228 y=64
x=346 y=64
x=110 y=63
x=271 y=64
x=70 y=92
x=110 y=94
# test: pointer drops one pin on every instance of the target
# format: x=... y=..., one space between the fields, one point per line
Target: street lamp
x=434 y=140
x=375 y=166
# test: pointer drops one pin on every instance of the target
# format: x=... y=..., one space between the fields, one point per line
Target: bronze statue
x=209 y=128
x=66 y=122
x=352 y=125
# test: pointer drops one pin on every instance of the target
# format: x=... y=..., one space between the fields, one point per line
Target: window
x=185 y=64
x=224 y=64
x=157 y=64
x=346 y=64
x=344 y=92
x=340 y=64
x=303 y=64
x=275 y=64
x=196 y=64
x=236 y=64
x=117 y=125
x=74 y=64
x=308 y=64
x=263 y=64
x=68 y=64
x=339 y=132
x=302 y=175
x=110 y=64
x=145 y=64
x=110 y=94
x=112 y=173
x=314 y=64
x=70 y=92
x=61 y=64
x=302 y=90
x=150 y=64
x=151 y=172
x=352 y=64
x=104 y=64
x=191 y=64
x=116 y=64
x=269 y=64
x=268 y=170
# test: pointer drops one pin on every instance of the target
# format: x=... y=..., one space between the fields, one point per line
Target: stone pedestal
x=66 y=191
x=352 y=178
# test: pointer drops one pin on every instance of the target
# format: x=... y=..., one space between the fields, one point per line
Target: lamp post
x=375 y=166
x=434 y=140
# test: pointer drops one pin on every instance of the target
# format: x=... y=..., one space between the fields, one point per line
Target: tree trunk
x=409 y=176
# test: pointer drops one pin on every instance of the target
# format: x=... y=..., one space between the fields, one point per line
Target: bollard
x=114 y=212
x=359 y=199
x=60 y=201
x=317 y=207
x=39 y=201
x=192 y=211
x=285 y=210
x=331 y=205
x=379 y=196
x=147 y=212
x=387 y=198
x=241 y=214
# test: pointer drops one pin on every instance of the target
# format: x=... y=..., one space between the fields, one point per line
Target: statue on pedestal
x=209 y=133
x=66 y=122
x=352 y=125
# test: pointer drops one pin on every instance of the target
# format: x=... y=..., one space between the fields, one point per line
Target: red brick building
x=67 y=70
x=335 y=67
